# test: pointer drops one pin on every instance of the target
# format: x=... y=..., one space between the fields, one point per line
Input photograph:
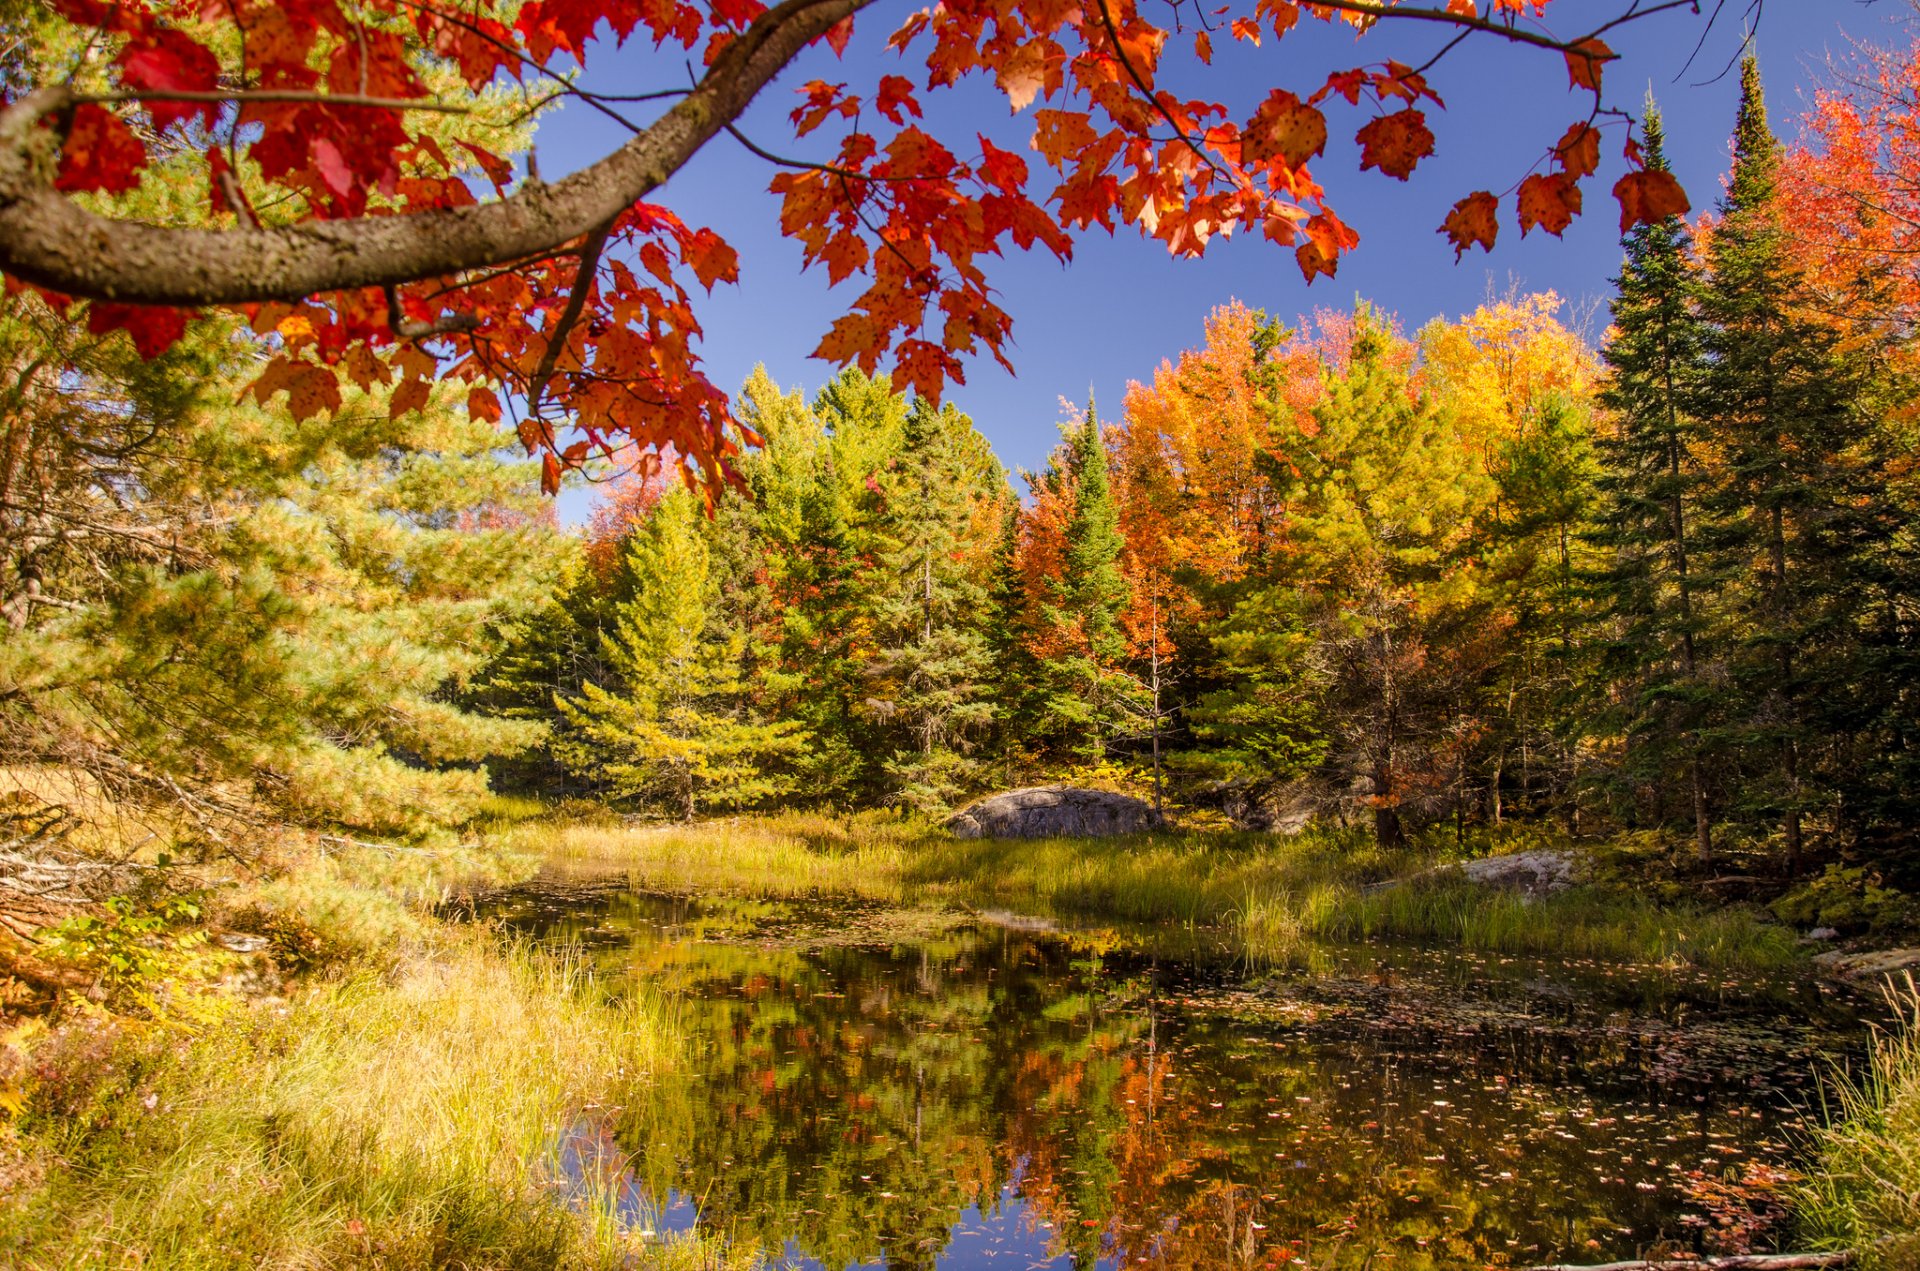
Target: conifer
x=1653 y=592
x=673 y=729
x=1784 y=405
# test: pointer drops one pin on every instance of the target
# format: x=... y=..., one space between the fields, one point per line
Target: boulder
x=1540 y=872
x=1869 y=966
x=1053 y=812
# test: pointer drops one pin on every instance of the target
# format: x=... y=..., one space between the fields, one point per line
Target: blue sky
x=1123 y=305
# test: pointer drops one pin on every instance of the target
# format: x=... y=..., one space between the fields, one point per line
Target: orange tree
x=337 y=225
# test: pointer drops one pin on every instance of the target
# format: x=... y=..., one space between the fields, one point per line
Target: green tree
x=673 y=729
x=1654 y=597
x=931 y=677
x=1384 y=494
x=1797 y=491
x=1088 y=691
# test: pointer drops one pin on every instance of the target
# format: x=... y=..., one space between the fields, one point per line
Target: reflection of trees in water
x=856 y=1102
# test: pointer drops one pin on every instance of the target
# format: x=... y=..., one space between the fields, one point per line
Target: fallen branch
x=1736 y=1262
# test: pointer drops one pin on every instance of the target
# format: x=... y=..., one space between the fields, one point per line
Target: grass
x=402 y=1110
x=1865 y=1193
x=1277 y=896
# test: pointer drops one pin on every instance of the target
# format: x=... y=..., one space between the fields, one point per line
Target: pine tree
x=932 y=676
x=673 y=730
x=1652 y=483
x=1089 y=696
x=1093 y=590
x=1794 y=482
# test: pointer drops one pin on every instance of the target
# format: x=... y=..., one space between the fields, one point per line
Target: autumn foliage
x=324 y=117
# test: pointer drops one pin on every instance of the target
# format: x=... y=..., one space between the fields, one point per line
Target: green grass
x=401 y=1110
x=1277 y=896
x=1865 y=1193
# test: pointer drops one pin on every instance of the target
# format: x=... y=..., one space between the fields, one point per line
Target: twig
x=576 y=301
x=407 y=329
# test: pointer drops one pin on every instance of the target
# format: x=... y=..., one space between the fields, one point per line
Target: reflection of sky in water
x=880 y=1090
x=1005 y=1235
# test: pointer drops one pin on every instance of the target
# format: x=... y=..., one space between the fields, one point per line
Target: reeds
x=1864 y=1193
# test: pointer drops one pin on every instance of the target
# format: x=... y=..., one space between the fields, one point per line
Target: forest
x=393 y=874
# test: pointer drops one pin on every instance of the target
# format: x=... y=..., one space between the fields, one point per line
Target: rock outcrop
x=1053 y=812
x=1870 y=967
x=1540 y=872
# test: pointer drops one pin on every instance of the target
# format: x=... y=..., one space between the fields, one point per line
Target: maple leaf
x=1549 y=200
x=311 y=390
x=100 y=154
x=1578 y=152
x=853 y=336
x=153 y=330
x=1284 y=127
x=1395 y=143
x=1646 y=197
x=484 y=404
x=1474 y=219
x=1585 y=62
x=1059 y=133
x=412 y=394
x=711 y=258
x=1023 y=74
x=172 y=62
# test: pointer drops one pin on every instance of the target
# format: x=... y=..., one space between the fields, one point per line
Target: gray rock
x=1540 y=872
x=1870 y=966
x=1822 y=933
x=1053 y=812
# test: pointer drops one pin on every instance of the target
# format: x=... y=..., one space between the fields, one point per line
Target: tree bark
x=48 y=239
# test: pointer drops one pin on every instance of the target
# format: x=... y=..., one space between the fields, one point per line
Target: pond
x=957 y=1091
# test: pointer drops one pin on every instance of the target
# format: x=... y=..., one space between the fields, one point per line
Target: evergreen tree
x=1093 y=591
x=673 y=729
x=1653 y=482
x=932 y=676
x=1796 y=487
x=1089 y=693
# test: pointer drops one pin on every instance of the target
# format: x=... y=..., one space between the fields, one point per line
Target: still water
x=966 y=1092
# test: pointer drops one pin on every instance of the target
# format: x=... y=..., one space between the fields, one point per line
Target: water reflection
x=925 y=1091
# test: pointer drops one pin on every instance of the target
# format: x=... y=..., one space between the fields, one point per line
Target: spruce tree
x=673 y=730
x=1093 y=590
x=1652 y=591
x=931 y=677
x=1087 y=688
x=1795 y=485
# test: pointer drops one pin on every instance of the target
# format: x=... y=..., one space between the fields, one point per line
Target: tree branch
x=269 y=95
x=576 y=301
x=51 y=241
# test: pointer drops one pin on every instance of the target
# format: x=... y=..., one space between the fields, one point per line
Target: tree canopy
x=320 y=191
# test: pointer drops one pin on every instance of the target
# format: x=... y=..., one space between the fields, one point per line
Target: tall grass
x=1580 y=923
x=1865 y=1193
x=1277 y=896
x=406 y=1114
